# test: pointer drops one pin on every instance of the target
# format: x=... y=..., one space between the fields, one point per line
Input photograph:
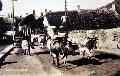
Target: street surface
x=39 y=64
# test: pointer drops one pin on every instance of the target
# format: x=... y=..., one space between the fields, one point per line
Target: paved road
x=40 y=65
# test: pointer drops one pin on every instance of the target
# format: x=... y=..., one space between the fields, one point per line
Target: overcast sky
x=26 y=6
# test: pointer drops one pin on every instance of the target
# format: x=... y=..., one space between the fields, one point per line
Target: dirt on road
x=39 y=64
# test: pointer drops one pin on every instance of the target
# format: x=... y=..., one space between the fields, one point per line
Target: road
x=39 y=64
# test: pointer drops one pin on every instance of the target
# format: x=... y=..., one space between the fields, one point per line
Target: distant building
x=117 y=6
x=113 y=6
x=110 y=6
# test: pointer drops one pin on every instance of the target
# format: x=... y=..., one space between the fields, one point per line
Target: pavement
x=39 y=64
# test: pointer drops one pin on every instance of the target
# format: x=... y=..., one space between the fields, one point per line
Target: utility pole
x=13 y=20
x=66 y=13
x=13 y=10
x=13 y=17
x=65 y=8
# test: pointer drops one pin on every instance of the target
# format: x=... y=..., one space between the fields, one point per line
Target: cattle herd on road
x=59 y=45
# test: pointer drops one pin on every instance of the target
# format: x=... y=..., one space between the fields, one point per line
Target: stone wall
x=108 y=38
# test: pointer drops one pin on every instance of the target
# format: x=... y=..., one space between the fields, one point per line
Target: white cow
x=41 y=39
x=25 y=46
x=85 y=52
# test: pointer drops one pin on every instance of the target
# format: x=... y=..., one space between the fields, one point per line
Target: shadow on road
x=84 y=61
x=101 y=56
x=116 y=74
x=80 y=62
x=38 y=53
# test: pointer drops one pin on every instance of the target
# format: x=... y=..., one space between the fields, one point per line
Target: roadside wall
x=108 y=38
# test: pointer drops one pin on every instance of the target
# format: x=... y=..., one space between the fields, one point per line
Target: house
x=113 y=6
x=117 y=6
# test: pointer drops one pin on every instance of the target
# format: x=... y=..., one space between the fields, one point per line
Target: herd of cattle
x=60 y=48
x=59 y=45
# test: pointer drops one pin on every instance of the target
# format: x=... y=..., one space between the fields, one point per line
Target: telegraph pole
x=13 y=10
x=13 y=20
x=13 y=17
x=65 y=8
x=66 y=12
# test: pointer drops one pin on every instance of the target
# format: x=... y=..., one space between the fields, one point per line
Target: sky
x=26 y=6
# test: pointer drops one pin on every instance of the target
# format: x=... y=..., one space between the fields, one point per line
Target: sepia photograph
x=59 y=37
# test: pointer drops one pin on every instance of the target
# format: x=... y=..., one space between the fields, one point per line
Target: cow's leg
x=24 y=51
x=32 y=45
x=44 y=44
x=64 y=61
x=41 y=45
x=57 y=58
x=64 y=56
x=89 y=55
x=84 y=53
x=28 y=52
x=53 y=60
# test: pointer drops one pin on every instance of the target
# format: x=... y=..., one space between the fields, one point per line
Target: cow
x=87 y=48
x=26 y=46
x=42 y=40
x=55 y=50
